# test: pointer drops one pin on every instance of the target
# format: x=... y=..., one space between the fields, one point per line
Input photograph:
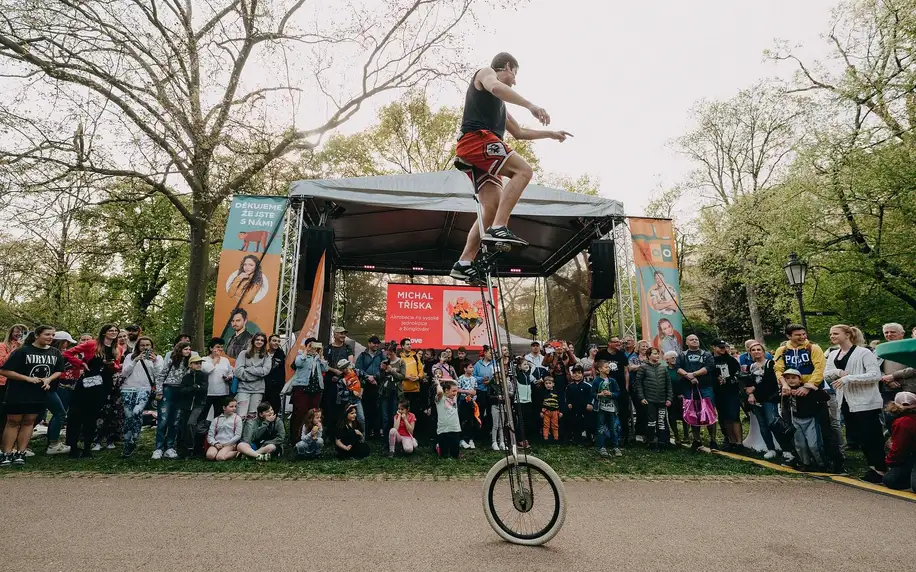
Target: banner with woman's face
x=658 y=280
x=249 y=268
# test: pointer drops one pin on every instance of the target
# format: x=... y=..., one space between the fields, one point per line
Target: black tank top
x=483 y=110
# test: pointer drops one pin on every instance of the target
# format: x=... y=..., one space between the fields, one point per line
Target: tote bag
x=699 y=410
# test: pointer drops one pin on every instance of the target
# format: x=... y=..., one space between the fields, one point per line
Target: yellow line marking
x=825 y=476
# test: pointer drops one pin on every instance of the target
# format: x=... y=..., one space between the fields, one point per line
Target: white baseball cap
x=905 y=399
x=61 y=335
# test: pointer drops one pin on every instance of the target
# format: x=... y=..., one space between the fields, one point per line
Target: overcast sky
x=622 y=76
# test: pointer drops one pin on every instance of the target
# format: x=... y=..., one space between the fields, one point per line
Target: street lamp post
x=796 y=270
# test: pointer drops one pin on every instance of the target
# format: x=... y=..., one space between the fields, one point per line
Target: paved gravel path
x=167 y=524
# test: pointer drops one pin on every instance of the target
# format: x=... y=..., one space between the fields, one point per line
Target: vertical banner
x=312 y=319
x=658 y=280
x=249 y=271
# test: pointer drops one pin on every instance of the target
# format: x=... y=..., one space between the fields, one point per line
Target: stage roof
x=418 y=223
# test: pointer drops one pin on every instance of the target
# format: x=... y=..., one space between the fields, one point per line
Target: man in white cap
x=337 y=350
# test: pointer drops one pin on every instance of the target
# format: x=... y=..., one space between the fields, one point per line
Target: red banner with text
x=435 y=316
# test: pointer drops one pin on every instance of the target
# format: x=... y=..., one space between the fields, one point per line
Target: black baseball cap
x=374 y=340
x=132 y=328
x=720 y=344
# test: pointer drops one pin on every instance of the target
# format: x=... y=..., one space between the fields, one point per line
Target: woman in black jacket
x=763 y=394
x=276 y=379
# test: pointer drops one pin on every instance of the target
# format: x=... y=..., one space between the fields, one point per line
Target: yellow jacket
x=808 y=359
x=413 y=367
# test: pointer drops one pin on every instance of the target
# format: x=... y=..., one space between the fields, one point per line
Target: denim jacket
x=304 y=365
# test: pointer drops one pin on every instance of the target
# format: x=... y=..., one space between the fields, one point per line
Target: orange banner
x=312 y=319
x=249 y=271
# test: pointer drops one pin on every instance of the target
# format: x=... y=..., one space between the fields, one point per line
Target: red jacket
x=82 y=353
x=903 y=440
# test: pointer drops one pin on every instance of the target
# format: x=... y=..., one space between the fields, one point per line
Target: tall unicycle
x=523 y=497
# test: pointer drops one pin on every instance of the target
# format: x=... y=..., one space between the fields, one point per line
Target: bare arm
x=489 y=81
x=523 y=133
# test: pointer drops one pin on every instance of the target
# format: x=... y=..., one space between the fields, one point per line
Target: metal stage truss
x=297 y=221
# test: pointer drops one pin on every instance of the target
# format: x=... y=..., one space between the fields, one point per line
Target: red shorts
x=486 y=154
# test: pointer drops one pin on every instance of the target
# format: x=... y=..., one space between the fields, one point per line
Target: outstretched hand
x=540 y=114
x=560 y=135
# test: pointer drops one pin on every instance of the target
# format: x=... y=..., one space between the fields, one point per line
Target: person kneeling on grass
x=311 y=440
x=266 y=434
x=402 y=432
x=901 y=458
x=448 y=427
x=225 y=432
x=350 y=442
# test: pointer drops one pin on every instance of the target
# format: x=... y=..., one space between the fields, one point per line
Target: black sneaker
x=502 y=234
x=713 y=445
x=873 y=476
x=19 y=459
x=695 y=446
x=6 y=459
x=129 y=449
x=469 y=273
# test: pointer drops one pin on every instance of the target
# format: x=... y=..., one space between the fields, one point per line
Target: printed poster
x=658 y=280
x=434 y=316
x=249 y=271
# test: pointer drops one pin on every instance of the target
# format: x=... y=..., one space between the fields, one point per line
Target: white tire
x=548 y=492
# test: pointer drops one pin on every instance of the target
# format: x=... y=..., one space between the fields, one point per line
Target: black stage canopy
x=418 y=223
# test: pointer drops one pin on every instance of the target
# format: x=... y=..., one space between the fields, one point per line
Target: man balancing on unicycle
x=487 y=159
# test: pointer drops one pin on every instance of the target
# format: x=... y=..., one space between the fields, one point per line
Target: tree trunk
x=754 y=311
x=192 y=315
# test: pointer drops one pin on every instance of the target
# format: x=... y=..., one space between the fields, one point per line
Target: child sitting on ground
x=225 y=432
x=264 y=436
x=550 y=410
x=350 y=442
x=901 y=458
x=402 y=432
x=448 y=428
x=312 y=438
x=606 y=392
x=805 y=412
x=468 y=413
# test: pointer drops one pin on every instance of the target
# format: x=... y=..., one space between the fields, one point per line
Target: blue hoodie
x=482 y=370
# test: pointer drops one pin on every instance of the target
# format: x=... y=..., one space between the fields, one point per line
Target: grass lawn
x=568 y=461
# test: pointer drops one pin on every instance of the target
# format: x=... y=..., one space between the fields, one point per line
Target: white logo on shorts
x=496 y=150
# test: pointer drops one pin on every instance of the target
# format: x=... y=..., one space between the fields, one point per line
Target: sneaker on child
x=471 y=444
x=464 y=444
x=157 y=454
x=171 y=454
x=769 y=455
x=617 y=452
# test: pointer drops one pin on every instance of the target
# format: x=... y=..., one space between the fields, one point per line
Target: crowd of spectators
x=807 y=406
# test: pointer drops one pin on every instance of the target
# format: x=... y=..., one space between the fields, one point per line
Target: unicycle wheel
x=524 y=500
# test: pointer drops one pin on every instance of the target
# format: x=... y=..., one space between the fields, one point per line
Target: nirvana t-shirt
x=728 y=368
x=618 y=363
x=31 y=361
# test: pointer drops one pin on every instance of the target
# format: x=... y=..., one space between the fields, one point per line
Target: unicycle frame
x=493 y=338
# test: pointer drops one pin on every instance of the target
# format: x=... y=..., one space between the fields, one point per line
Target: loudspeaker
x=602 y=267
x=317 y=240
